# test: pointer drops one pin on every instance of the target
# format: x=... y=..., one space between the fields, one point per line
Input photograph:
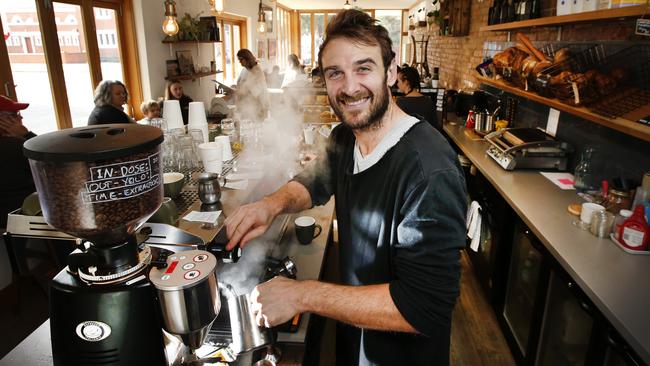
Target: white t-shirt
x=391 y=139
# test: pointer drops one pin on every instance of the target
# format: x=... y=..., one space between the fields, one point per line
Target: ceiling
x=338 y=4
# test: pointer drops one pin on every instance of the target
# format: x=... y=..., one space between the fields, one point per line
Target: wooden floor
x=476 y=339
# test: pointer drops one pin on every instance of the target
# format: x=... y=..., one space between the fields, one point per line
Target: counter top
x=618 y=283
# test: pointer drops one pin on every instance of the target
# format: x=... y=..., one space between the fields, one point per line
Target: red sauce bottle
x=634 y=232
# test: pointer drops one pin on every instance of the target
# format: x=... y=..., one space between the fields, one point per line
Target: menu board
x=122 y=180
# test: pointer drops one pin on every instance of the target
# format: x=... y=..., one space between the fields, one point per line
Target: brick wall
x=458 y=56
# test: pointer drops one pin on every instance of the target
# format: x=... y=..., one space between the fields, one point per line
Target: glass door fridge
x=525 y=292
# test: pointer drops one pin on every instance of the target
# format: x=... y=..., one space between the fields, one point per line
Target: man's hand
x=252 y=220
x=248 y=222
x=276 y=301
x=12 y=125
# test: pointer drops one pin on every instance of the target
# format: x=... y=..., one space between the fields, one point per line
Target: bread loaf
x=562 y=55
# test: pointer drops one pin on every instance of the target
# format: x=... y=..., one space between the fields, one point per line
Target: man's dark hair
x=411 y=75
x=361 y=28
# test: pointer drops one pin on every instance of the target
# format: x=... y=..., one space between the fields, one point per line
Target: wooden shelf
x=195 y=76
x=628 y=127
x=187 y=42
x=629 y=11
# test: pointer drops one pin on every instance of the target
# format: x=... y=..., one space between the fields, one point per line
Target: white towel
x=474 y=225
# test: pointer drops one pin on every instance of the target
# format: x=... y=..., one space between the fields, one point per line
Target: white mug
x=588 y=208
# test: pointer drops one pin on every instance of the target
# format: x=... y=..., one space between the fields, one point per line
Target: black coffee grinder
x=100 y=183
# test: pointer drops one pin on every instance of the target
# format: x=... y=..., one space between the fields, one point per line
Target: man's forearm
x=291 y=197
x=369 y=307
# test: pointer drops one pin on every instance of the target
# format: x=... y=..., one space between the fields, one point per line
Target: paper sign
x=241 y=184
x=552 y=122
x=210 y=217
x=562 y=180
x=643 y=27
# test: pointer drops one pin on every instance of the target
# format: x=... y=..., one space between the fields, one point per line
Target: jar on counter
x=620 y=219
x=618 y=200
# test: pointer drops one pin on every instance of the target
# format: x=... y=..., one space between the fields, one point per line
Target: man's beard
x=373 y=116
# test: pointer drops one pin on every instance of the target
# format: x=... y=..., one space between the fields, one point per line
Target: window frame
x=326 y=13
x=232 y=20
x=125 y=24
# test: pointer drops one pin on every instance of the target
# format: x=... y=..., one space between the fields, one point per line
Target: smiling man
x=400 y=204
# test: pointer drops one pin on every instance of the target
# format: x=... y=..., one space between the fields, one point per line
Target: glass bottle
x=535 y=10
x=584 y=179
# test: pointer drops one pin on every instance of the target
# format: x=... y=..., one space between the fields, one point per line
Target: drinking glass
x=159 y=122
x=228 y=128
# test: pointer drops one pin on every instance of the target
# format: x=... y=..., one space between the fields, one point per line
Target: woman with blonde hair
x=110 y=96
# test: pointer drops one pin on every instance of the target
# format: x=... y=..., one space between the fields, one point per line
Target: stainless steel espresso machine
x=100 y=184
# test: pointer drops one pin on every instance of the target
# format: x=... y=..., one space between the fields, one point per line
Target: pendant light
x=170 y=25
x=261 y=20
x=347 y=5
x=217 y=5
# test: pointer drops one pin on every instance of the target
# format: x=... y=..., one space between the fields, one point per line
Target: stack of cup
x=211 y=156
x=310 y=135
x=172 y=114
x=197 y=119
x=224 y=141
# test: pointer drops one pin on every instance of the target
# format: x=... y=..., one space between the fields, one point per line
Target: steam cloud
x=270 y=146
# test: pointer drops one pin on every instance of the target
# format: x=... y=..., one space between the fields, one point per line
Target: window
x=101 y=13
x=392 y=21
x=283 y=16
x=306 y=42
x=314 y=23
x=47 y=52
x=232 y=31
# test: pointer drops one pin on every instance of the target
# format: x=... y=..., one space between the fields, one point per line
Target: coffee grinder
x=100 y=184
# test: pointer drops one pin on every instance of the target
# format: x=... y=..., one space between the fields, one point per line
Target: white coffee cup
x=211 y=156
x=588 y=208
x=225 y=145
x=310 y=135
x=172 y=114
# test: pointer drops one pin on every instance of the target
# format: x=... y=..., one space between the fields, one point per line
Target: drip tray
x=220 y=334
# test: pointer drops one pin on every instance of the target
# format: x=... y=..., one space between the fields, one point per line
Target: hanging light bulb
x=170 y=25
x=219 y=5
x=216 y=5
x=261 y=20
x=347 y=5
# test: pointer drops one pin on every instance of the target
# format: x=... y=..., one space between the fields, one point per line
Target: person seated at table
x=174 y=91
x=110 y=96
x=252 y=96
x=17 y=182
x=294 y=71
x=150 y=109
x=413 y=102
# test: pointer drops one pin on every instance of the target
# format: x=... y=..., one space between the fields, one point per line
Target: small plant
x=189 y=27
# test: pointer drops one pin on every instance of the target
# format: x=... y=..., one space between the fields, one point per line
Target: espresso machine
x=109 y=306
